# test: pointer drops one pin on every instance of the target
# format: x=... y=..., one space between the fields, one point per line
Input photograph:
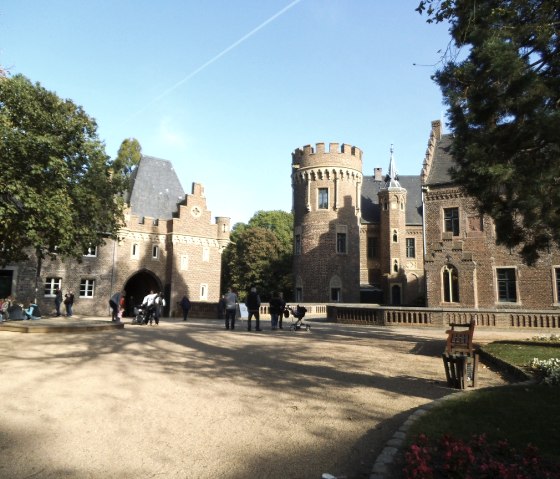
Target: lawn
x=522 y=414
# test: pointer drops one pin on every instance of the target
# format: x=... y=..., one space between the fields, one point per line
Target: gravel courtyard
x=192 y=400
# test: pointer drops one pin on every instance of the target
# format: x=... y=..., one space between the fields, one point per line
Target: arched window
x=450 y=280
x=396 y=266
x=395 y=236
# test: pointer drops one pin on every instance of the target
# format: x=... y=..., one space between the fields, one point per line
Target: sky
x=227 y=89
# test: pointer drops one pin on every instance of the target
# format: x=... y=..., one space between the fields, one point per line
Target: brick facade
x=178 y=254
x=332 y=199
x=464 y=266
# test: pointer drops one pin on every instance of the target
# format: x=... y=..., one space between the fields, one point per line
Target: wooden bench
x=460 y=359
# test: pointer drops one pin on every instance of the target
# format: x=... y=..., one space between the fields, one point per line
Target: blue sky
x=228 y=89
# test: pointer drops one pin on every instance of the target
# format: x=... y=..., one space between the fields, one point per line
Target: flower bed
x=454 y=458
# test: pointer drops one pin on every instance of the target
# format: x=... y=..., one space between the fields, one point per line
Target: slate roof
x=441 y=163
x=155 y=189
x=370 y=201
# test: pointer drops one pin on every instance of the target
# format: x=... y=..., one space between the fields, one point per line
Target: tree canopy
x=260 y=254
x=503 y=93
x=60 y=191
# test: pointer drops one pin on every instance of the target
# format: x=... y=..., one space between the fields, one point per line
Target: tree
x=504 y=113
x=260 y=254
x=128 y=156
x=60 y=192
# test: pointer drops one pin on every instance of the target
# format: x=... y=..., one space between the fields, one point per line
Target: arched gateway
x=138 y=286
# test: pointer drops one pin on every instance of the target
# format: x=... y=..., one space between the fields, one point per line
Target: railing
x=401 y=316
x=367 y=314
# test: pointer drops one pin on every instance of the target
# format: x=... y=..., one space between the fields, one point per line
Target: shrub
x=547 y=369
x=454 y=458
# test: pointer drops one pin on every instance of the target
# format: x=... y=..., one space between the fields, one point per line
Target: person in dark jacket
x=185 y=306
x=253 y=306
x=276 y=310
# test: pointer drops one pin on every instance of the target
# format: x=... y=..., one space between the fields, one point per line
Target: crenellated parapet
x=326 y=173
x=341 y=156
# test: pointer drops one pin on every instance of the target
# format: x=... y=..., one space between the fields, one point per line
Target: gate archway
x=138 y=286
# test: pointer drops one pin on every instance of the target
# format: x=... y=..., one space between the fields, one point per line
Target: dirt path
x=196 y=401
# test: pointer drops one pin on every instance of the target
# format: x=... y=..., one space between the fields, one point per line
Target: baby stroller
x=141 y=315
x=298 y=312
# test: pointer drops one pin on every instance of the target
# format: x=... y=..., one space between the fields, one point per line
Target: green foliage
x=260 y=254
x=129 y=155
x=504 y=112
x=59 y=189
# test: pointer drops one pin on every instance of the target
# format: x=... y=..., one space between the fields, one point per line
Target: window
x=395 y=236
x=184 y=262
x=341 y=243
x=91 y=251
x=323 y=198
x=451 y=220
x=410 y=248
x=507 y=285
x=203 y=292
x=557 y=277
x=335 y=295
x=206 y=254
x=155 y=251
x=87 y=288
x=396 y=266
x=372 y=247
x=135 y=252
x=297 y=245
x=51 y=284
x=450 y=280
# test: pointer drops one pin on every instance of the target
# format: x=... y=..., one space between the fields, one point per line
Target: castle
x=168 y=244
x=356 y=239
x=404 y=240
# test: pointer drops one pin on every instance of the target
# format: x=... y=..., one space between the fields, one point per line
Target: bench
x=460 y=359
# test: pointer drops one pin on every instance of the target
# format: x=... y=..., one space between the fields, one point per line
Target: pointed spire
x=392 y=178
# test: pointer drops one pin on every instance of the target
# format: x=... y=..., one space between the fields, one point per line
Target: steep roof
x=441 y=163
x=155 y=189
x=370 y=201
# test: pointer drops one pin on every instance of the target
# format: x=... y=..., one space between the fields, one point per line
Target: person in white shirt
x=150 y=305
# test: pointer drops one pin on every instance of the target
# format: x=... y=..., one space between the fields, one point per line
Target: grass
x=522 y=414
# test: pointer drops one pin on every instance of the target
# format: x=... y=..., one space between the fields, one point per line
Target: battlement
x=336 y=155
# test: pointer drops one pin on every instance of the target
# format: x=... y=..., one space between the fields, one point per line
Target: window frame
x=372 y=247
x=510 y=284
x=451 y=221
x=410 y=247
x=87 y=288
x=322 y=198
x=450 y=284
x=88 y=254
x=55 y=282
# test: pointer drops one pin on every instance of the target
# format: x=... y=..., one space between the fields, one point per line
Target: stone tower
x=326 y=186
x=392 y=200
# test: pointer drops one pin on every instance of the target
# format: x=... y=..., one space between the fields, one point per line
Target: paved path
x=192 y=400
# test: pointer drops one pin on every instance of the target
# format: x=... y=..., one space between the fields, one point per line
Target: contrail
x=217 y=57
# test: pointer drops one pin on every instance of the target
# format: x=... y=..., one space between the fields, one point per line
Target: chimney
x=378 y=174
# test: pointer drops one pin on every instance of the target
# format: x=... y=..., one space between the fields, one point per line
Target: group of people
x=152 y=305
x=11 y=309
x=229 y=304
x=67 y=300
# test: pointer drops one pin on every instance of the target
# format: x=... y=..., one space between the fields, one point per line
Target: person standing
x=282 y=308
x=149 y=303
x=253 y=307
x=276 y=310
x=185 y=306
x=159 y=303
x=230 y=299
x=69 y=302
x=57 y=300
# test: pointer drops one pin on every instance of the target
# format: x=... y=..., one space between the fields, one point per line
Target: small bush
x=548 y=370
